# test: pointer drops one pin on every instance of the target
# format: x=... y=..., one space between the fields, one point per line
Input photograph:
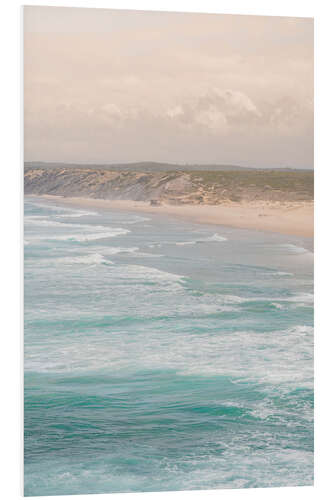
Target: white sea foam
x=37 y=217
x=83 y=230
x=148 y=273
x=135 y=220
x=147 y=255
x=301 y=330
x=214 y=238
x=271 y=357
x=130 y=251
x=278 y=273
x=139 y=279
x=117 y=250
x=305 y=299
x=77 y=214
x=234 y=299
x=66 y=211
x=90 y=259
x=277 y=305
x=54 y=208
x=294 y=248
x=47 y=222
x=155 y=245
x=182 y=243
x=82 y=237
x=91 y=237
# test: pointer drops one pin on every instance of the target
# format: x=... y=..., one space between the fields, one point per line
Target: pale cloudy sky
x=119 y=86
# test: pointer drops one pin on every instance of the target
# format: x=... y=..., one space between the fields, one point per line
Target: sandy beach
x=293 y=218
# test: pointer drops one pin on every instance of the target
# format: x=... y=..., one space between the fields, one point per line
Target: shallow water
x=164 y=355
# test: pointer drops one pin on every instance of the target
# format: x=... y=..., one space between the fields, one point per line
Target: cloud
x=217 y=110
x=173 y=86
x=224 y=111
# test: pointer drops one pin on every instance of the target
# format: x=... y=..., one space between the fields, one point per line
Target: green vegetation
x=295 y=181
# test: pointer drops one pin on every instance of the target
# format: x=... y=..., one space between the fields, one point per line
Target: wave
x=77 y=214
x=91 y=237
x=155 y=245
x=68 y=212
x=111 y=233
x=245 y=354
x=117 y=250
x=92 y=259
x=45 y=221
x=305 y=299
x=294 y=248
x=214 y=238
x=277 y=273
x=156 y=279
x=135 y=220
x=234 y=299
x=72 y=213
x=131 y=251
x=146 y=254
x=300 y=330
x=182 y=243
x=54 y=208
x=150 y=273
x=277 y=305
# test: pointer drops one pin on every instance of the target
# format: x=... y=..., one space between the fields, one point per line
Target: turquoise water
x=164 y=355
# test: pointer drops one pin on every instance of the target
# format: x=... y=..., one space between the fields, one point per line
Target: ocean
x=161 y=354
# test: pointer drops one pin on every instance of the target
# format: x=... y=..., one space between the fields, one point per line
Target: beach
x=293 y=218
x=168 y=251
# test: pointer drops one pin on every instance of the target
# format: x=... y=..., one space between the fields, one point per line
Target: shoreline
x=290 y=218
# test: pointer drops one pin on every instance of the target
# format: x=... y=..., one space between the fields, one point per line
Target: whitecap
x=277 y=305
x=77 y=214
x=82 y=237
x=135 y=220
x=278 y=273
x=294 y=248
x=182 y=243
x=90 y=237
x=234 y=299
x=150 y=273
x=131 y=251
x=54 y=208
x=214 y=238
x=155 y=245
x=67 y=212
x=117 y=250
x=47 y=222
x=90 y=259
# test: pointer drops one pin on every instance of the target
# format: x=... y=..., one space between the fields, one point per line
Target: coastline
x=290 y=218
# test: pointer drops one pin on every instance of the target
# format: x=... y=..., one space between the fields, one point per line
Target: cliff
x=173 y=187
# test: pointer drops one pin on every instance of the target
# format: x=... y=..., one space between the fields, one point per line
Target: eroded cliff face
x=170 y=187
x=108 y=184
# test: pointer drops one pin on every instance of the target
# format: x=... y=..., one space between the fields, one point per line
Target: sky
x=114 y=86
